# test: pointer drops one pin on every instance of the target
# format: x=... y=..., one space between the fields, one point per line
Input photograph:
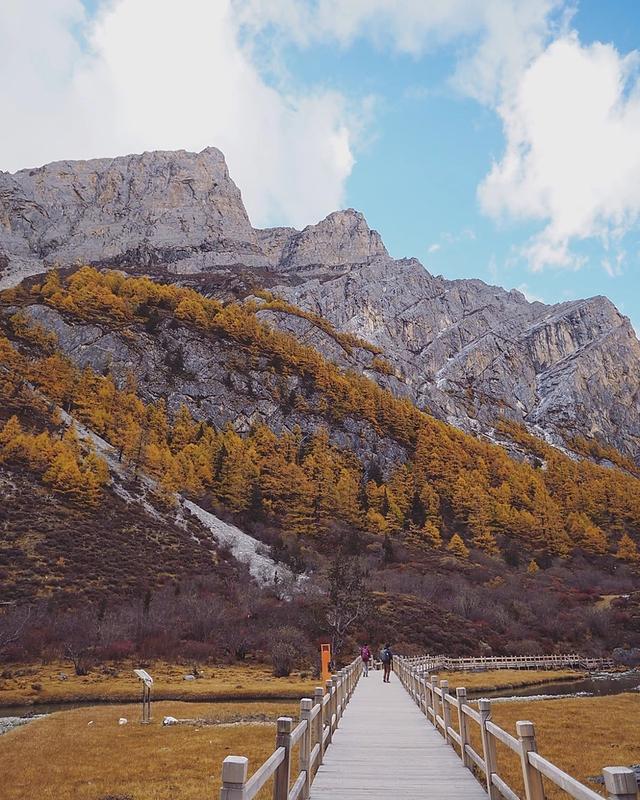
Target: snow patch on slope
x=243 y=547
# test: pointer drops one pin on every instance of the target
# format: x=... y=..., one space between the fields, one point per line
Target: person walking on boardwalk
x=386 y=656
x=365 y=655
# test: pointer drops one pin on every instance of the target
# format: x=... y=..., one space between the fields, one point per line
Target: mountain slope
x=466 y=351
x=469 y=352
x=444 y=523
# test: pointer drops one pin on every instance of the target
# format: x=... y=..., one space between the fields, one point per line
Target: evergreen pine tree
x=457 y=547
x=627 y=549
x=430 y=532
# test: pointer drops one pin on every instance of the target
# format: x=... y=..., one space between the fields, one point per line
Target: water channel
x=591 y=686
x=596 y=685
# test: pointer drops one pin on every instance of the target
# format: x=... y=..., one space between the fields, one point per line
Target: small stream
x=596 y=685
x=15 y=715
x=37 y=709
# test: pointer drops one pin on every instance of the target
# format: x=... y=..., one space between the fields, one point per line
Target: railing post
x=620 y=783
x=444 y=688
x=234 y=777
x=533 y=786
x=345 y=696
x=461 y=698
x=304 y=758
x=283 y=771
x=488 y=747
x=433 y=681
x=334 y=702
x=318 y=694
x=329 y=709
x=342 y=677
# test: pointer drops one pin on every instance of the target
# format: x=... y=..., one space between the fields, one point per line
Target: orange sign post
x=325 y=660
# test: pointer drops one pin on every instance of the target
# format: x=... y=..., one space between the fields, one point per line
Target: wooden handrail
x=620 y=782
x=506 y=738
x=573 y=787
x=265 y=772
x=319 y=718
x=297 y=732
x=437 y=662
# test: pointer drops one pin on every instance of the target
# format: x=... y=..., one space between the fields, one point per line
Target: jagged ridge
x=465 y=350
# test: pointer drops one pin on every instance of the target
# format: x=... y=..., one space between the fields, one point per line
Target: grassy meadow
x=581 y=735
x=496 y=679
x=84 y=754
x=20 y=684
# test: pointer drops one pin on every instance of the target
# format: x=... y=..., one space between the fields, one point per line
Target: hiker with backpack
x=365 y=655
x=386 y=656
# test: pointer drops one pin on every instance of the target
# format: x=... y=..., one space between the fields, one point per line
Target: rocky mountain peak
x=176 y=209
x=467 y=351
x=341 y=238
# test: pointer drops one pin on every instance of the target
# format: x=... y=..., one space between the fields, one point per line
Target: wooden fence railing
x=440 y=707
x=557 y=661
x=319 y=718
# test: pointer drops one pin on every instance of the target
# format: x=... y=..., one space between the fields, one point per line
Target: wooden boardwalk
x=385 y=748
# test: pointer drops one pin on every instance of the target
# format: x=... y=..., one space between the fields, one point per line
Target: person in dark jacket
x=386 y=656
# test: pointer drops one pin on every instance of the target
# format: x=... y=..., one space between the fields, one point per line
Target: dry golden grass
x=506 y=678
x=580 y=735
x=84 y=754
x=42 y=684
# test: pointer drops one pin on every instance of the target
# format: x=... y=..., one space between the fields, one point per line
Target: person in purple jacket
x=365 y=655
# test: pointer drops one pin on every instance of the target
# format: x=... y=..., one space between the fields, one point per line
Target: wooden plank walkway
x=385 y=748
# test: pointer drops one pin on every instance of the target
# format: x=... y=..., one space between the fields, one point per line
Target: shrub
x=288 y=648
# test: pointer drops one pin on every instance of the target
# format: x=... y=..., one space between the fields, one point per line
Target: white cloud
x=571 y=114
x=496 y=38
x=448 y=238
x=151 y=75
x=614 y=266
x=531 y=297
x=572 y=156
x=147 y=74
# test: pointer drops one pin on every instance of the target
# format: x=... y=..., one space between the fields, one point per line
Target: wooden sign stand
x=147 y=683
x=325 y=661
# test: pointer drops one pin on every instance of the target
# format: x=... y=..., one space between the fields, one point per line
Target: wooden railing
x=556 y=661
x=319 y=718
x=440 y=707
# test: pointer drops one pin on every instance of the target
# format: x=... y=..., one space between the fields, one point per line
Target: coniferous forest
x=446 y=531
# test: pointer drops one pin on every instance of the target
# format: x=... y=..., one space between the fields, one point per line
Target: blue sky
x=429 y=148
x=497 y=139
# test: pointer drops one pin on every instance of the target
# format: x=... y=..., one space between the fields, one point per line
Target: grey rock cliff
x=466 y=351
x=343 y=238
x=211 y=377
x=471 y=353
x=178 y=210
